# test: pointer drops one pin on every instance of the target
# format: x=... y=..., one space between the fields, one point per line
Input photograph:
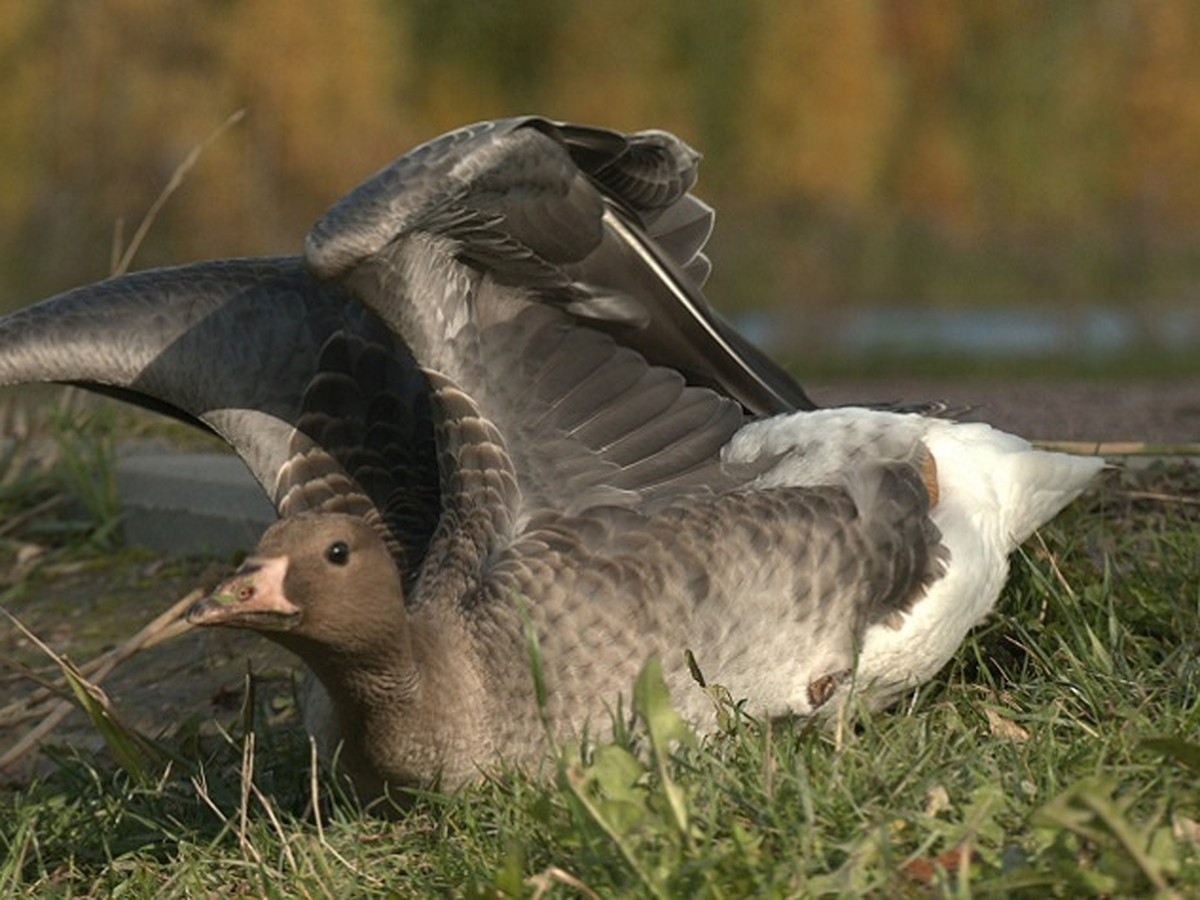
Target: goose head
x=325 y=586
x=407 y=707
x=315 y=580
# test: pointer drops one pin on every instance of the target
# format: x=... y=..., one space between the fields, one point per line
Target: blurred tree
x=115 y=93
x=319 y=83
x=857 y=150
x=820 y=102
x=476 y=59
x=1159 y=110
x=623 y=78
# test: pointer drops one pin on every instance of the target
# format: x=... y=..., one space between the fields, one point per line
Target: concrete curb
x=190 y=504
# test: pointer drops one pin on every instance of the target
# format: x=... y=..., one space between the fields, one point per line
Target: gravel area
x=1159 y=413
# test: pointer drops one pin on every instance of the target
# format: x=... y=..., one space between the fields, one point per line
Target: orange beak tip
x=252 y=598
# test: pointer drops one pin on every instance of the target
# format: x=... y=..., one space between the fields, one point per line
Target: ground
x=82 y=608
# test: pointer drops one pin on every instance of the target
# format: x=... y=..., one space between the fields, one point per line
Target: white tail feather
x=999 y=479
x=993 y=490
x=1001 y=475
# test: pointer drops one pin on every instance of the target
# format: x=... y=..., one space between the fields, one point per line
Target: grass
x=1057 y=755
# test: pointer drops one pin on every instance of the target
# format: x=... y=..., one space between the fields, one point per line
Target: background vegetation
x=858 y=151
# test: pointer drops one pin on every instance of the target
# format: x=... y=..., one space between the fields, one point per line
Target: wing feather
x=594 y=222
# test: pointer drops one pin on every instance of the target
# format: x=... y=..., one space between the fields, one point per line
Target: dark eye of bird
x=338 y=553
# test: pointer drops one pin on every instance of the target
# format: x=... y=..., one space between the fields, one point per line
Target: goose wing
x=286 y=369
x=364 y=444
x=516 y=260
x=597 y=223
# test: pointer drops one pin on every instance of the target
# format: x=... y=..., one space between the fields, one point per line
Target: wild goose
x=593 y=494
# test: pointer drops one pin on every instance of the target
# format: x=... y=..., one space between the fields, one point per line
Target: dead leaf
x=924 y=869
x=937 y=800
x=1004 y=728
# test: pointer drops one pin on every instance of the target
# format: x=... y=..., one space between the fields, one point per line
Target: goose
x=598 y=506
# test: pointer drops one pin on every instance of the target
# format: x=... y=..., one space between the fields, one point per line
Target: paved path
x=1161 y=413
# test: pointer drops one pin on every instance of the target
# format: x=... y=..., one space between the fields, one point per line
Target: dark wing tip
x=647 y=170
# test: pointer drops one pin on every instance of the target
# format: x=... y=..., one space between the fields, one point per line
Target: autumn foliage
x=857 y=150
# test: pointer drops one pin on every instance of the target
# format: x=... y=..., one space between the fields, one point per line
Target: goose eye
x=338 y=553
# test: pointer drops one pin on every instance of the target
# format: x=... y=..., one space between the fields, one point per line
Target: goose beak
x=253 y=597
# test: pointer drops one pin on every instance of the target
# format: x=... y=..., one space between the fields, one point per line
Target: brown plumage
x=586 y=409
x=770 y=591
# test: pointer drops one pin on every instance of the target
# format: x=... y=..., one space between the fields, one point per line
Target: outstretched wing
x=259 y=351
x=597 y=223
x=523 y=262
x=540 y=274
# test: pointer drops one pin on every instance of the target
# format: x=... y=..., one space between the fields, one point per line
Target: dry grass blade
x=121 y=264
x=1119 y=448
x=162 y=628
x=280 y=832
x=1050 y=558
x=544 y=882
x=35 y=735
x=243 y=827
x=133 y=753
x=314 y=787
